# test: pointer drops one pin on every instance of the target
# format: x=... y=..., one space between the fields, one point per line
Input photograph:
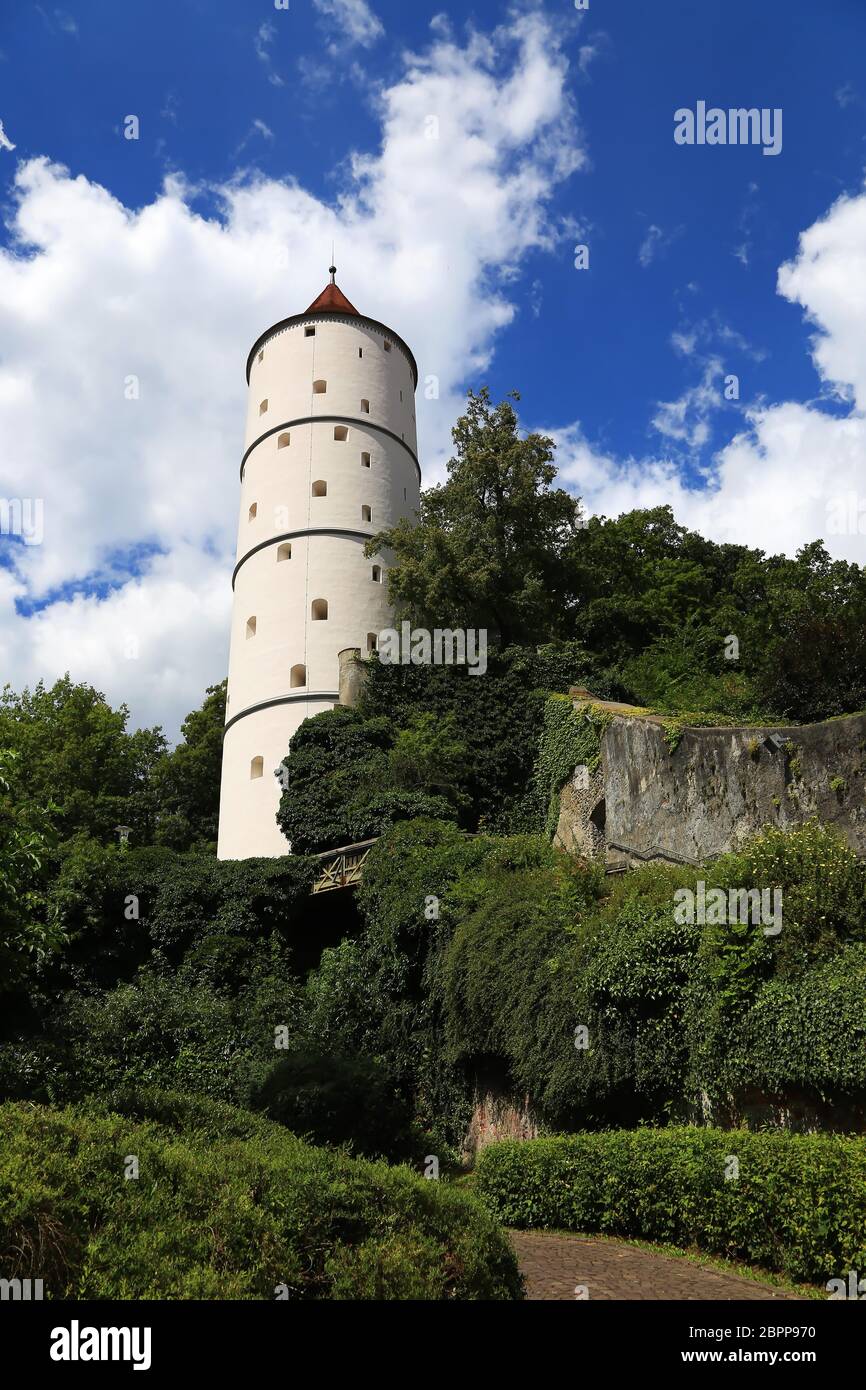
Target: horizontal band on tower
x=282 y=700
x=296 y=535
x=333 y=420
x=328 y=316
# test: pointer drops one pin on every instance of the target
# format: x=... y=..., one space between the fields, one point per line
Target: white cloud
x=687 y=419
x=258 y=127
x=58 y=19
x=355 y=21
x=656 y=241
x=782 y=480
x=846 y=95
x=650 y=245
x=265 y=35
x=429 y=232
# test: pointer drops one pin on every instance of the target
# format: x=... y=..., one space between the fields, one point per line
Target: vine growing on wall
x=570 y=738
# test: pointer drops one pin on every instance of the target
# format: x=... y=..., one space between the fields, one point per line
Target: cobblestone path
x=555 y=1265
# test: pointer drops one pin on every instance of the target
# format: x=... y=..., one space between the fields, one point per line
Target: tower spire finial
x=333 y=268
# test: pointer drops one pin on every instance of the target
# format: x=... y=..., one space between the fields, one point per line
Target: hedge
x=228 y=1209
x=798 y=1205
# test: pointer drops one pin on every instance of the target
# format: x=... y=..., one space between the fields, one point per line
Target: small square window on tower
x=387 y=346
x=263 y=405
x=365 y=407
x=366 y=513
x=341 y=433
x=365 y=460
x=309 y=332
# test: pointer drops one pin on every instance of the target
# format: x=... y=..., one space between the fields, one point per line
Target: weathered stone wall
x=497 y=1115
x=718 y=787
x=580 y=829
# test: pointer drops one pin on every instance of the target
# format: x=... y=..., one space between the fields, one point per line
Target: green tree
x=75 y=752
x=27 y=930
x=490 y=545
x=187 y=780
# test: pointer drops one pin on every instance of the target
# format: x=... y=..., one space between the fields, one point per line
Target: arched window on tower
x=319 y=610
x=377 y=574
x=365 y=460
x=319 y=388
x=341 y=433
x=320 y=488
x=372 y=641
x=366 y=513
x=298 y=677
x=257 y=768
x=253 y=513
x=251 y=628
x=283 y=441
x=263 y=405
x=365 y=407
x=284 y=551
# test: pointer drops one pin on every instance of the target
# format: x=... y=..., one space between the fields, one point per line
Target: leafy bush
x=797 y=1206
x=340 y=783
x=329 y=1098
x=387 y=981
x=497 y=718
x=823 y=885
x=800 y=1035
x=224 y=1211
x=121 y=908
x=162 y=1030
x=27 y=930
x=506 y=976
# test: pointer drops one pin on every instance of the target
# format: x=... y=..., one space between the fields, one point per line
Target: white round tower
x=330 y=457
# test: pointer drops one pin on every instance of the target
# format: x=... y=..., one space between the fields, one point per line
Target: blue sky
x=297 y=126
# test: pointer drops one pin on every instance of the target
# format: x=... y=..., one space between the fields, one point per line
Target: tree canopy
x=490 y=546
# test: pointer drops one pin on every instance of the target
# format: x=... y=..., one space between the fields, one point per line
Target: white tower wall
x=326 y=535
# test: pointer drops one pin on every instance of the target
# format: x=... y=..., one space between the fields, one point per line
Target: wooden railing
x=343 y=867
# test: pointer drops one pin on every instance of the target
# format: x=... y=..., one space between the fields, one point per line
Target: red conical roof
x=333 y=301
